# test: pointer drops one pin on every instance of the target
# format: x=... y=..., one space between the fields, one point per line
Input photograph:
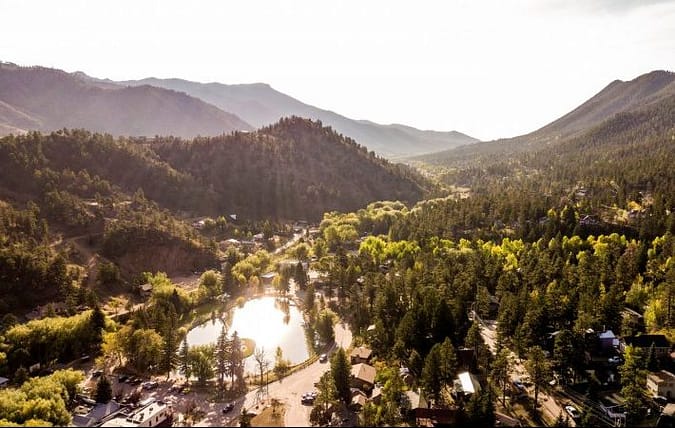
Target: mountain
x=615 y=98
x=37 y=98
x=259 y=104
x=618 y=97
x=295 y=169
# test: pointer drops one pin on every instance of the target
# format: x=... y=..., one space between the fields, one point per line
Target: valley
x=527 y=281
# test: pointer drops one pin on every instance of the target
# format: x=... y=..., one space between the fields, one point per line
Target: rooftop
x=364 y=372
x=361 y=352
x=646 y=340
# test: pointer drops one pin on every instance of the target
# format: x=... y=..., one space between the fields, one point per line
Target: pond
x=266 y=320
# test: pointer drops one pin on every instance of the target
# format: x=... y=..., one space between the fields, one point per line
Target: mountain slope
x=260 y=105
x=293 y=169
x=48 y=99
x=618 y=97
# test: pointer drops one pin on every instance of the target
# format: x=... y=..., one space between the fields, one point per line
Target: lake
x=268 y=323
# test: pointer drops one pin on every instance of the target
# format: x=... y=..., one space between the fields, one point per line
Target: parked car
x=308 y=397
x=572 y=411
x=323 y=358
x=228 y=407
x=151 y=384
x=614 y=360
x=122 y=378
x=660 y=400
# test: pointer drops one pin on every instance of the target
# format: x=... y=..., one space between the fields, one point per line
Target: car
x=122 y=378
x=228 y=407
x=572 y=411
x=96 y=373
x=323 y=358
x=518 y=384
x=660 y=400
x=614 y=360
x=151 y=384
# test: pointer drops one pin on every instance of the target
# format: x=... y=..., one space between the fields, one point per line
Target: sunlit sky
x=486 y=68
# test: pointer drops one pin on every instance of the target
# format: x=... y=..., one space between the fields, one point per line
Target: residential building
x=466 y=384
x=644 y=342
x=151 y=413
x=661 y=383
x=363 y=377
x=360 y=354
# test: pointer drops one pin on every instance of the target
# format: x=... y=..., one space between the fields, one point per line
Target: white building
x=151 y=414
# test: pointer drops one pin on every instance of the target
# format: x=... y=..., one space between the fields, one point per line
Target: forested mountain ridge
x=44 y=99
x=295 y=168
x=641 y=93
x=259 y=104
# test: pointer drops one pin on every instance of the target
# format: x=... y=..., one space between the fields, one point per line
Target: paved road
x=548 y=404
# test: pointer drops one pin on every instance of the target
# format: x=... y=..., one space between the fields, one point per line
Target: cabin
x=360 y=355
x=268 y=278
x=661 y=383
x=644 y=342
x=466 y=384
x=363 y=377
x=145 y=289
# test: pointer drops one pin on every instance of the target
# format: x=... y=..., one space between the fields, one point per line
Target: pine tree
x=184 y=360
x=169 y=359
x=222 y=356
x=340 y=369
x=431 y=379
x=103 y=390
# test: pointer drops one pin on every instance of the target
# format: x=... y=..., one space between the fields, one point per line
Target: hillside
x=36 y=98
x=293 y=169
x=261 y=105
x=296 y=169
x=618 y=97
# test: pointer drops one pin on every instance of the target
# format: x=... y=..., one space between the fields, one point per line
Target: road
x=549 y=405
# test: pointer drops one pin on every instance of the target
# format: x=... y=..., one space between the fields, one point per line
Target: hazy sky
x=487 y=68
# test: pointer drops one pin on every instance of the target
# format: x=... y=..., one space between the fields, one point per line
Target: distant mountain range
x=646 y=92
x=44 y=99
x=38 y=98
x=260 y=105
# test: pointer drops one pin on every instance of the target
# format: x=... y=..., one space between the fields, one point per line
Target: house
x=644 y=342
x=151 y=413
x=415 y=400
x=4 y=382
x=363 y=377
x=607 y=340
x=145 y=289
x=360 y=355
x=465 y=357
x=466 y=384
x=661 y=383
x=99 y=414
x=436 y=417
x=268 y=278
x=359 y=399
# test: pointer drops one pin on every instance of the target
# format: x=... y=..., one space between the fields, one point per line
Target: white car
x=614 y=360
x=573 y=412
